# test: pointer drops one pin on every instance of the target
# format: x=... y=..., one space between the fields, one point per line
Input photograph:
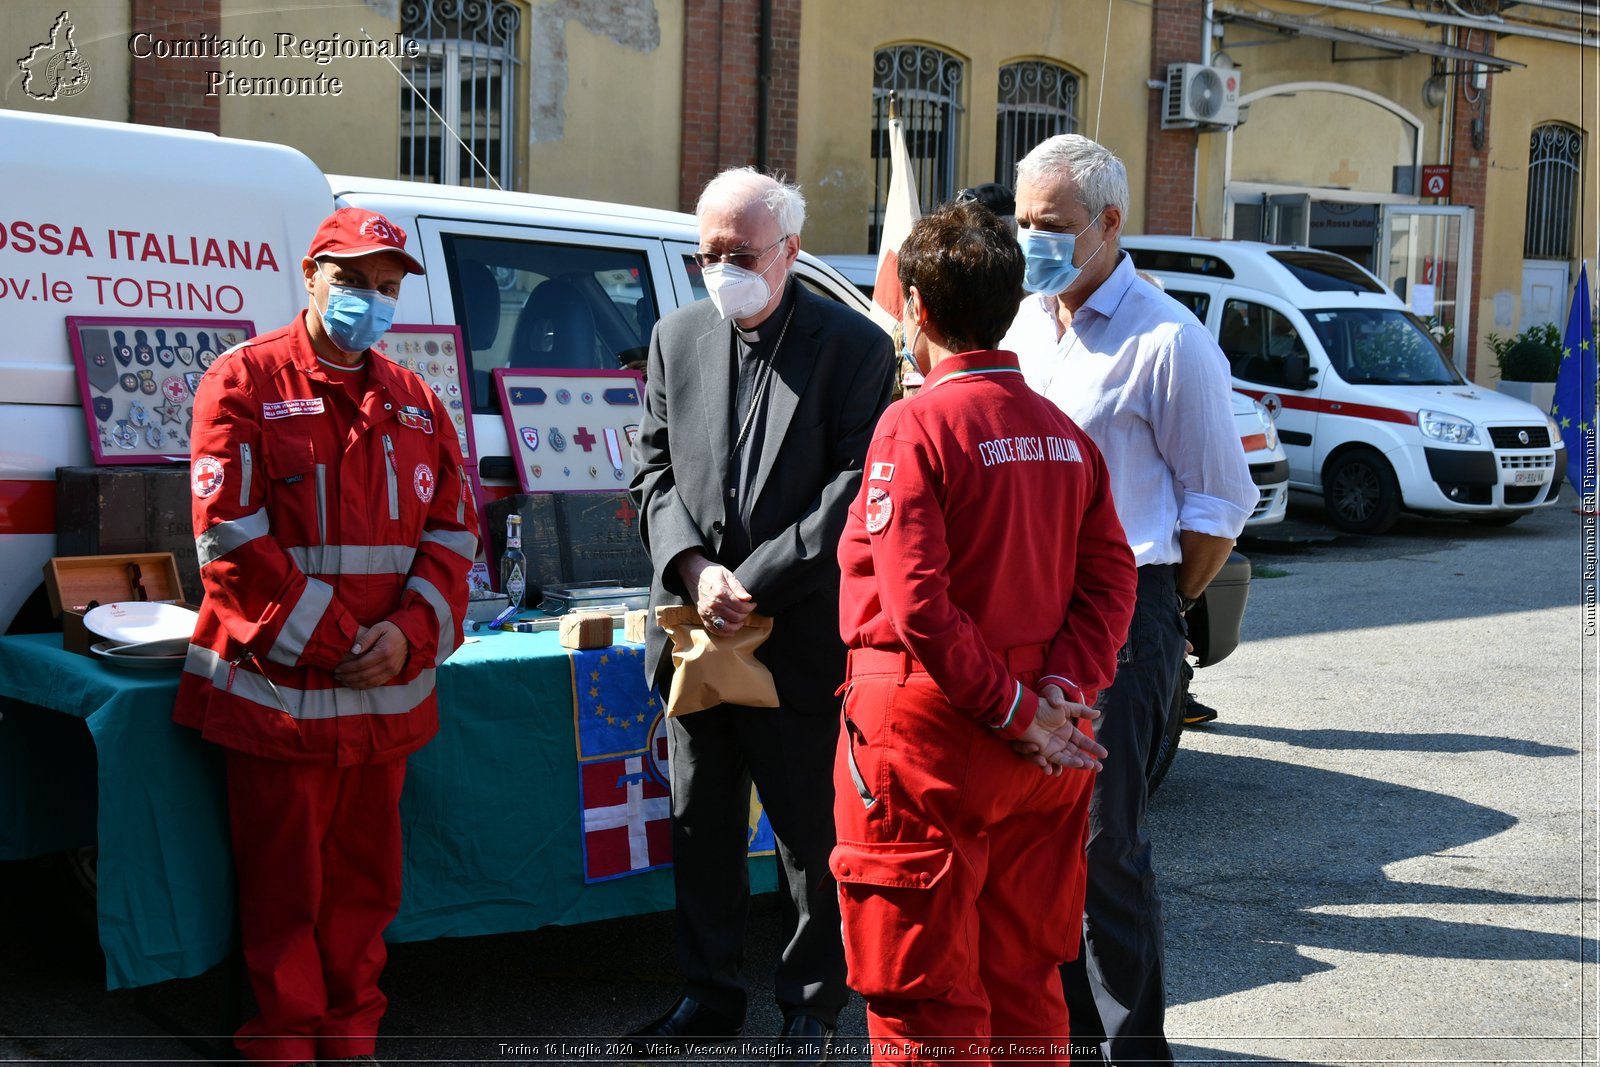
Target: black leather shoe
x=690 y=1018
x=806 y=1041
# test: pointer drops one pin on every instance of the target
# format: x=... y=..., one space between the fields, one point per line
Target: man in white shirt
x=1138 y=372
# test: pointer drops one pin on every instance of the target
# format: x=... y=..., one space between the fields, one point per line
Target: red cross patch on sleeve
x=880 y=509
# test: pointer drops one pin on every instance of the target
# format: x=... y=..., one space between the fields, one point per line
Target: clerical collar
x=771 y=325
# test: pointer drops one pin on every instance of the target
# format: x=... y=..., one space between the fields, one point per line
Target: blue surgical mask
x=356 y=319
x=1048 y=257
x=907 y=339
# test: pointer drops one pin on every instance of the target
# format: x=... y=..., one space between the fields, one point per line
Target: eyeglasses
x=745 y=260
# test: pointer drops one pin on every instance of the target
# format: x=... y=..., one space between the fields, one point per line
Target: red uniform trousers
x=317 y=850
x=961 y=873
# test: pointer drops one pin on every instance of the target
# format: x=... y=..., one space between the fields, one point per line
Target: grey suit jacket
x=831 y=379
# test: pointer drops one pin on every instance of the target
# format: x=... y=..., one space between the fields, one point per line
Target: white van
x=115 y=220
x=1370 y=412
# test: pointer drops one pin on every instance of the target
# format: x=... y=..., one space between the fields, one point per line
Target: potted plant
x=1528 y=363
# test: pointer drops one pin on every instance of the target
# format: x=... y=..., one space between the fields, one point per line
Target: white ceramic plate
x=126 y=622
x=136 y=661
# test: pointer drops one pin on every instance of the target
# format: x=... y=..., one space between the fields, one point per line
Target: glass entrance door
x=1425 y=255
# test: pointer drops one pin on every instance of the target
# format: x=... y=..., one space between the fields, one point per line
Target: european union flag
x=1574 y=407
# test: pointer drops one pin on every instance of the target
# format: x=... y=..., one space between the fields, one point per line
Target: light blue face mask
x=1048 y=256
x=907 y=340
x=356 y=319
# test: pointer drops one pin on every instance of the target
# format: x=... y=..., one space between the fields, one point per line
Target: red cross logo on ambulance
x=422 y=482
x=206 y=477
x=879 y=509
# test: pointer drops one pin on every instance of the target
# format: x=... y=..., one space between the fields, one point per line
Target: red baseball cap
x=353 y=231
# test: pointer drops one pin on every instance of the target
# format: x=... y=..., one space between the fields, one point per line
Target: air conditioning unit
x=1198 y=95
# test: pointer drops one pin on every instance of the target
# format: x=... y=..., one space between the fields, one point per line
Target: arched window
x=464 y=81
x=1552 y=191
x=1038 y=99
x=927 y=84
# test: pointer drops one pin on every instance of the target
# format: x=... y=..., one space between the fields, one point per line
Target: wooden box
x=633 y=626
x=104 y=510
x=587 y=629
x=77 y=583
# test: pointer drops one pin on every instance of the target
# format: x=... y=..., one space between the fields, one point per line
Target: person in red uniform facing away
x=335 y=529
x=987 y=586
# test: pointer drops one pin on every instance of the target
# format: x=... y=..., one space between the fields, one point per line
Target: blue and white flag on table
x=1574 y=407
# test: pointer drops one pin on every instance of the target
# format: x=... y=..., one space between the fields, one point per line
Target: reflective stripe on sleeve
x=462 y=542
x=224 y=537
x=352 y=559
x=246 y=472
x=303 y=704
x=441 y=611
x=301 y=623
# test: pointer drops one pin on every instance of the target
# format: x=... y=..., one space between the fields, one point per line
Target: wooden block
x=633 y=626
x=587 y=629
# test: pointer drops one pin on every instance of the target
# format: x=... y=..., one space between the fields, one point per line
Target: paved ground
x=1382 y=852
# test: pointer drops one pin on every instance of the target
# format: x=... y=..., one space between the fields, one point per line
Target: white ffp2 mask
x=738 y=293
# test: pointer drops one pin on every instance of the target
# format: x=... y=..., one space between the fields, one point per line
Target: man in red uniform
x=335 y=529
x=987 y=588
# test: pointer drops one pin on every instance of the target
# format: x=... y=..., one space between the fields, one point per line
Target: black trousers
x=1116 y=988
x=715 y=754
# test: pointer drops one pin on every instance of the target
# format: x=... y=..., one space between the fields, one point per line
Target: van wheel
x=1501 y=518
x=1361 y=493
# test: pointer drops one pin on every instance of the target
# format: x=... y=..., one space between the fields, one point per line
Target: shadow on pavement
x=1380 y=741
x=1248 y=849
x=1198 y=1054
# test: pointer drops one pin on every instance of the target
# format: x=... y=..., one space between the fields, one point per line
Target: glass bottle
x=513 y=565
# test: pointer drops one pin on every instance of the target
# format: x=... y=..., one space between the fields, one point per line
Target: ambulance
x=1370 y=412
x=114 y=227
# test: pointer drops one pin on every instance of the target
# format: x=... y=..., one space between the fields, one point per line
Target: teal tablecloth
x=490 y=813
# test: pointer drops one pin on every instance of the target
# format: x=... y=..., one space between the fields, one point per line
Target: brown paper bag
x=711 y=669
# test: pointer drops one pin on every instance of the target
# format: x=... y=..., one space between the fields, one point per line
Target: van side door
x=528 y=296
x=1270 y=352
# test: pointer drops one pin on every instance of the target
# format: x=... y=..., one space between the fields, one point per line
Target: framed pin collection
x=138 y=378
x=571 y=430
x=435 y=354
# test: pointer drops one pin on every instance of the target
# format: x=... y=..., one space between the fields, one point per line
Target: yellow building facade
x=1341 y=106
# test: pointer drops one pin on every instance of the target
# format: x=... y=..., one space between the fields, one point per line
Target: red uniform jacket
x=985 y=524
x=313 y=518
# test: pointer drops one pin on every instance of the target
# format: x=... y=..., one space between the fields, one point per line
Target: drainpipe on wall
x=764 y=85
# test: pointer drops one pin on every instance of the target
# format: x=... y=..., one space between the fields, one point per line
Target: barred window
x=1038 y=99
x=927 y=84
x=463 y=81
x=1552 y=191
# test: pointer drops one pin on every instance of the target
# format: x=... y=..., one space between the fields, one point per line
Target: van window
x=1324 y=272
x=1261 y=344
x=1170 y=262
x=1381 y=346
x=541 y=304
x=1197 y=303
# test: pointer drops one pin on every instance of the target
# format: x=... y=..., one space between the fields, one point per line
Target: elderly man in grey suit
x=759 y=406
